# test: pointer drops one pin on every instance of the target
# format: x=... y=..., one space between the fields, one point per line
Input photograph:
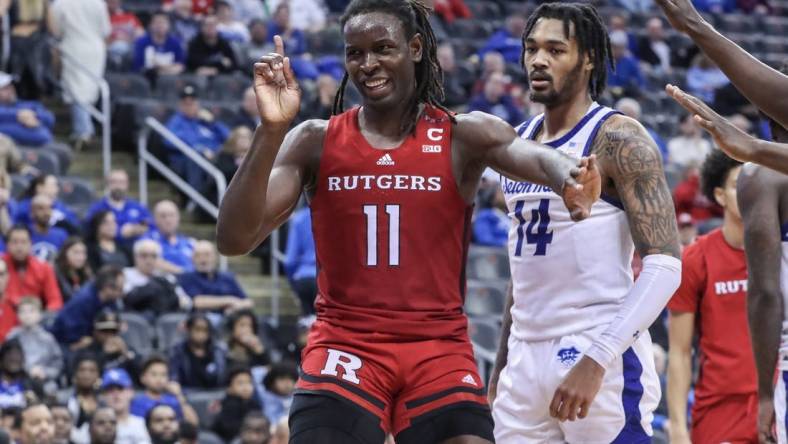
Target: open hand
x=576 y=393
x=275 y=86
x=583 y=188
x=681 y=14
x=733 y=141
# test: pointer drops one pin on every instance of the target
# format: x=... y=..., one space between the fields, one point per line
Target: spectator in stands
x=492 y=62
x=507 y=40
x=101 y=245
x=704 y=78
x=618 y=22
x=258 y=44
x=279 y=385
x=108 y=346
x=71 y=267
x=255 y=429
x=46 y=239
x=185 y=25
x=496 y=101
x=64 y=424
x=689 y=148
x=755 y=6
x=8 y=319
x=248 y=10
x=230 y=28
x=148 y=291
x=73 y=325
x=321 y=105
x=233 y=152
x=82 y=27
x=198 y=361
x=247 y=115
x=210 y=289
x=29 y=55
x=103 y=426
x=635 y=6
x=158 y=52
x=209 y=53
x=688 y=232
x=126 y=28
x=116 y=393
x=455 y=92
x=626 y=80
x=300 y=263
x=84 y=400
x=491 y=223
x=198 y=129
x=450 y=10
x=43 y=357
x=27 y=275
x=631 y=108
x=131 y=217
x=48 y=185
x=198 y=7
x=177 y=249
x=304 y=14
x=244 y=346
x=35 y=425
x=159 y=390
x=688 y=198
x=188 y=433
x=653 y=47
x=238 y=402
x=27 y=122
x=162 y=423
x=280 y=433
x=294 y=40
x=16 y=386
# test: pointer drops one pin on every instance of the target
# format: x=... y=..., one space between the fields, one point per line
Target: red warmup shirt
x=8 y=318
x=714 y=287
x=38 y=280
x=391 y=232
x=124 y=26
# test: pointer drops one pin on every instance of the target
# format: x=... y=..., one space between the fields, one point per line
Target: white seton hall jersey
x=568 y=277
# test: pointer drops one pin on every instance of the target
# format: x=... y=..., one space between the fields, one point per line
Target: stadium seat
x=228 y=88
x=206 y=403
x=484 y=10
x=776 y=26
x=487 y=263
x=776 y=44
x=329 y=41
x=169 y=87
x=19 y=183
x=736 y=23
x=483 y=299
x=76 y=192
x=128 y=86
x=206 y=437
x=471 y=29
x=45 y=161
x=484 y=333
x=137 y=333
x=170 y=328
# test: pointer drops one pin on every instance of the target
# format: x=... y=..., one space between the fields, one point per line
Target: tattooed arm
x=631 y=162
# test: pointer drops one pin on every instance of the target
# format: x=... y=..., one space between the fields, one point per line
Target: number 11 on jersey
x=371 y=211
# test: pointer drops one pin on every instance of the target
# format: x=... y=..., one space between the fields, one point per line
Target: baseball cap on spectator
x=115 y=377
x=107 y=321
x=188 y=91
x=5 y=79
x=685 y=220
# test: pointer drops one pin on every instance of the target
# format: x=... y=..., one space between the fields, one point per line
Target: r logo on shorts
x=349 y=362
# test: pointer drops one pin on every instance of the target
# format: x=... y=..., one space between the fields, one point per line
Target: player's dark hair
x=714 y=172
x=590 y=33
x=414 y=17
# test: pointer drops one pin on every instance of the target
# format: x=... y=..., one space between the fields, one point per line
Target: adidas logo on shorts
x=468 y=379
x=386 y=160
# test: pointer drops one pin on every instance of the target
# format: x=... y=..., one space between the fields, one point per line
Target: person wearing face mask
x=43 y=357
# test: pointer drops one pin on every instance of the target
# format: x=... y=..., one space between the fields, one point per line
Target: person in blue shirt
x=46 y=239
x=295 y=42
x=61 y=216
x=15 y=384
x=158 y=51
x=496 y=101
x=74 y=322
x=27 y=122
x=300 y=263
x=212 y=290
x=627 y=76
x=131 y=217
x=176 y=249
x=507 y=40
x=200 y=131
x=160 y=390
x=491 y=223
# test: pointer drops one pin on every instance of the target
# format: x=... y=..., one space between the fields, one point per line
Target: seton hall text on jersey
x=384 y=182
x=512 y=187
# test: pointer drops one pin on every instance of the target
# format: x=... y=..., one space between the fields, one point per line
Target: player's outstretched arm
x=762 y=85
x=269 y=181
x=735 y=142
x=503 y=346
x=758 y=191
x=631 y=159
x=489 y=141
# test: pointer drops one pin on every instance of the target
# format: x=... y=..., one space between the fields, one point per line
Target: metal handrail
x=6 y=42
x=146 y=159
x=103 y=116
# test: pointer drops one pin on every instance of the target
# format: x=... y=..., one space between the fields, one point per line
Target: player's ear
x=588 y=64
x=719 y=196
x=416 y=47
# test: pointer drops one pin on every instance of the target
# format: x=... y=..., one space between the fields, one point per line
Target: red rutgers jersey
x=391 y=232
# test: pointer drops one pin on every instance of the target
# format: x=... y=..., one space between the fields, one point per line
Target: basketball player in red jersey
x=390 y=187
x=713 y=297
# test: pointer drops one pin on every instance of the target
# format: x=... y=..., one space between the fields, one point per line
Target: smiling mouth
x=375 y=84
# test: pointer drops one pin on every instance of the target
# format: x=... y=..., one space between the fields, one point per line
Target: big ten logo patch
x=349 y=363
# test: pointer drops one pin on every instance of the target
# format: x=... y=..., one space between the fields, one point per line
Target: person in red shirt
x=711 y=302
x=28 y=275
x=126 y=28
x=8 y=319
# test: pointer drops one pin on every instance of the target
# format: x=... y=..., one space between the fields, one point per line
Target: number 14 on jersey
x=534 y=235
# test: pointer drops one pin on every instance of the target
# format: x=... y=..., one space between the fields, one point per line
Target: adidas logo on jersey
x=386 y=160
x=468 y=379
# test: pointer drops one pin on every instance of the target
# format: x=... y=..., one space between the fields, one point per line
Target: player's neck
x=561 y=118
x=733 y=232
x=385 y=122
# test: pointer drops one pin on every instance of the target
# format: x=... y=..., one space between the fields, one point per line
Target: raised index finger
x=279 y=45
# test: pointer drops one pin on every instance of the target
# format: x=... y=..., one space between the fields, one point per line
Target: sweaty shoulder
x=478 y=132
